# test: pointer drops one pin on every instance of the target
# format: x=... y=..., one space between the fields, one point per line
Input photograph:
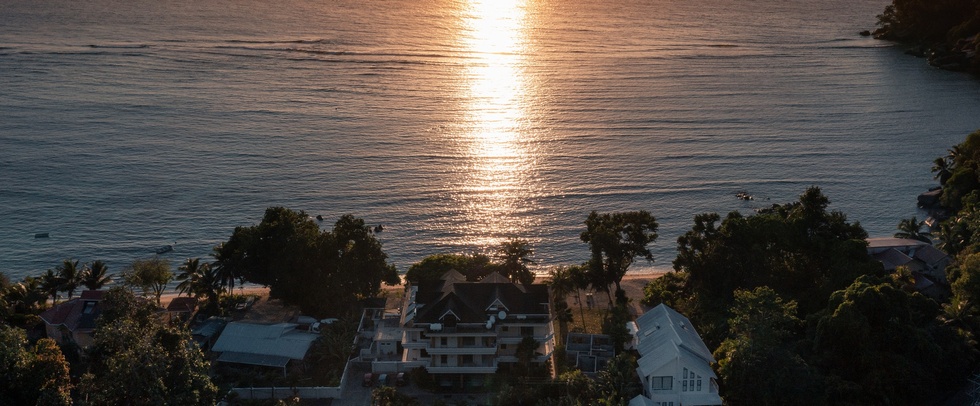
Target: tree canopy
x=151 y=276
x=881 y=344
x=322 y=272
x=137 y=359
x=32 y=374
x=615 y=240
x=473 y=266
x=800 y=250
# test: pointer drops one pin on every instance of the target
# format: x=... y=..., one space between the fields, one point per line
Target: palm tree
x=958 y=312
x=224 y=264
x=189 y=275
x=943 y=168
x=200 y=280
x=561 y=285
x=910 y=228
x=580 y=281
x=95 y=277
x=515 y=255
x=51 y=284
x=26 y=296
x=71 y=276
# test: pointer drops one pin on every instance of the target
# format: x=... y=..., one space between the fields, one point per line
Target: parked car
x=316 y=327
x=401 y=379
x=368 y=379
x=383 y=380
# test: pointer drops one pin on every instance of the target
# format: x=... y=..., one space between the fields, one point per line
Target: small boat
x=165 y=249
x=41 y=235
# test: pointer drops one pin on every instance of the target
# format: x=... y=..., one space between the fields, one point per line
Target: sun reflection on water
x=500 y=160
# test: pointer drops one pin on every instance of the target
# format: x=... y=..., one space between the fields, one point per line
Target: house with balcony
x=674 y=363
x=465 y=331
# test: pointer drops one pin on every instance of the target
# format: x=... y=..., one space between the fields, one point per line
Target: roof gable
x=471 y=302
x=78 y=313
x=662 y=324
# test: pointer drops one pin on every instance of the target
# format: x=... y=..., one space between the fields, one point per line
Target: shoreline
x=633 y=283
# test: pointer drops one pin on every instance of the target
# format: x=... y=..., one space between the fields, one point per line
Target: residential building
x=181 y=308
x=267 y=345
x=674 y=364
x=464 y=331
x=74 y=320
x=927 y=263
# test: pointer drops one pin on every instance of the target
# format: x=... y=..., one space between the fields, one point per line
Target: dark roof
x=929 y=254
x=470 y=301
x=892 y=258
x=182 y=304
x=76 y=314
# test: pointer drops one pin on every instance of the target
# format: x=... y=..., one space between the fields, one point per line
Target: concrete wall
x=324 y=392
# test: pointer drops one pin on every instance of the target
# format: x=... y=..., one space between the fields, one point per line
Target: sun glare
x=495 y=40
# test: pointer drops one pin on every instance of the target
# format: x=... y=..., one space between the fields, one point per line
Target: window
x=527 y=331
x=443 y=341
x=465 y=360
x=468 y=342
x=443 y=359
x=690 y=381
x=662 y=383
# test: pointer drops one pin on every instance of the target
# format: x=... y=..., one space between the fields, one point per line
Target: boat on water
x=165 y=249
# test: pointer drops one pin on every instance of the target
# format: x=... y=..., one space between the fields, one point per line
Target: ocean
x=129 y=125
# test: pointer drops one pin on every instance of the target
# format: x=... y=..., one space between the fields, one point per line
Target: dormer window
x=89 y=307
x=497 y=305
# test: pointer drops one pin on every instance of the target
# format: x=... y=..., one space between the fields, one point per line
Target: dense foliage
x=322 y=272
x=473 y=266
x=150 y=275
x=800 y=314
x=615 y=241
x=32 y=374
x=947 y=27
x=800 y=250
x=511 y=259
x=137 y=359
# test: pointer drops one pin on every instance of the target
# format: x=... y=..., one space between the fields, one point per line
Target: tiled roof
x=76 y=314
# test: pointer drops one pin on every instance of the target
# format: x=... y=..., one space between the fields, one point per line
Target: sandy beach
x=265 y=309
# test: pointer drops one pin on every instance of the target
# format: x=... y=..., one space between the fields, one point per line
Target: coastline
x=633 y=283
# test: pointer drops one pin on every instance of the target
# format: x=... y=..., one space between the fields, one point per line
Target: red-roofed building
x=74 y=320
x=182 y=307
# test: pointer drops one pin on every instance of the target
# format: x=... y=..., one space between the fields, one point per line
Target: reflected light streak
x=499 y=166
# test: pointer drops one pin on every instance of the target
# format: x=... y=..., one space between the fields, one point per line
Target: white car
x=315 y=327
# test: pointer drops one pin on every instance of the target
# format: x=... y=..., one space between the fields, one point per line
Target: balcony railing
x=463 y=350
x=468 y=368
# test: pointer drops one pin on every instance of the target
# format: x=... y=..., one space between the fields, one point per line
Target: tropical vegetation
x=944 y=30
x=321 y=272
